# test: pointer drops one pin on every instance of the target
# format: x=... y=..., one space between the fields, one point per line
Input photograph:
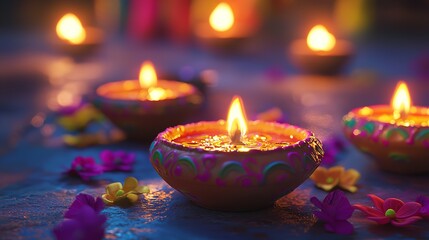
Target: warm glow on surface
x=147 y=76
x=69 y=28
x=401 y=101
x=237 y=121
x=222 y=18
x=319 y=39
x=156 y=94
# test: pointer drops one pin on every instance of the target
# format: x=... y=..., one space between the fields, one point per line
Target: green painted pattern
x=399 y=157
x=230 y=166
x=369 y=127
x=157 y=157
x=423 y=134
x=187 y=161
x=400 y=131
x=275 y=166
x=350 y=123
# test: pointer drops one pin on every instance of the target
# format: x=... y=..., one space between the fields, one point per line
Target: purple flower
x=117 y=161
x=85 y=168
x=424 y=201
x=86 y=224
x=84 y=200
x=335 y=211
x=333 y=147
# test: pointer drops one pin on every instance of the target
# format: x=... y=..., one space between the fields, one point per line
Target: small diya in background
x=226 y=27
x=397 y=136
x=75 y=39
x=321 y=53
x=142 y=108
x=235 y=165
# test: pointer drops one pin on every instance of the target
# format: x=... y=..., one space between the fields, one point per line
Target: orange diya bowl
x=220 y=170
x=321 y=53
x=142 y=108
x=396 y=136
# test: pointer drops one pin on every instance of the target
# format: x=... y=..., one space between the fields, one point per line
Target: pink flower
x=424 y=201
x=117 y=161
x=85 y=168
x=391 y=210
x=335 y=210
x=84 y=200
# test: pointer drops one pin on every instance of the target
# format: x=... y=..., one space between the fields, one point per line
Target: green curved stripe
x=276 y=165
x=187 y=161
x=230 y=166
x=350 y=123
x=401 y=132
x=152 y=145
x=157 y=156
x=399 y=157
x=422 y=134
x=369 y=127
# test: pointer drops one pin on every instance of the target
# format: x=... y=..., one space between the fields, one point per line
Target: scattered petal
x=117 y=161
x=128 y=193
x=85 y=168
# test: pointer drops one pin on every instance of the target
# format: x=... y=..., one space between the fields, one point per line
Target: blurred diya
x=142 y=108
x=321 y=53
x=222 y=30
x=75 y=39
x=235 y=165
x=397 y=136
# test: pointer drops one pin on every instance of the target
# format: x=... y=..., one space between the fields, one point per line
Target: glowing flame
x=236 y=122
x=147 y=76
x=69 y=28
x=401 y=101
x=156 y=94
x=319 y=39
x=222 y=18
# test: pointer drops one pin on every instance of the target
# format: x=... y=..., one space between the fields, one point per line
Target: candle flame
x=401 y=101
x=147 y=77
x=70 y=28
x=156 y=93
x=319 y=39
x=236 y=122
x=222 y=17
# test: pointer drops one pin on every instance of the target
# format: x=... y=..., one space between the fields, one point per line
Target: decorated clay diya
x=235 y=165
x=142 y=108
x=397 y=136
x=321 y=53
x=74 y=39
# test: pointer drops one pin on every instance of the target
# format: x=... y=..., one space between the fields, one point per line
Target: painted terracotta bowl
x=142 y=120
x=395 y=148
x=235 y=181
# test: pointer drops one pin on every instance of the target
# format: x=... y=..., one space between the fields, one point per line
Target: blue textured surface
x=34 y=195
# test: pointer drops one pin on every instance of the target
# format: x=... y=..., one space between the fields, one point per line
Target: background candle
x=142 y=108
x=397 y=136
x=320 y=53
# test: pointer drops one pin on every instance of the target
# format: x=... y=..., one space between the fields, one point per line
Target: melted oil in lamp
x=396 y=136
x=142 y=108
x=75 y=39
x=235 y=165
x=222 y=30
x=321 y=53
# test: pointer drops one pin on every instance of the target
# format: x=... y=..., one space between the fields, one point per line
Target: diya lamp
x=75 y=39
x=235 y=165
x=396 y=136
x=142 y=108
x=222 y=30
x=321 y=53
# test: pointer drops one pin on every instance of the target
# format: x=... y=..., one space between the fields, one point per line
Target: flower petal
x=405 y=221
x=130 y=184
x=319 y=175
x=349 y=179
x=132 y=197
x=342 y=227
x=378 y=202
x=316 y=202
x=107 y=199
x=112 y=188
x=380 y=220
x=373 y=212
x=408 y=209
x=327 y=187
x=393 y=203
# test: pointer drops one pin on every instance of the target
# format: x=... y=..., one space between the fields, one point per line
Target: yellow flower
x=80 y=119
x=329 y=178
x=128 y=193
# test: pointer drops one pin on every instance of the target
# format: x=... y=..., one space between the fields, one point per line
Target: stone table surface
x=34 y=194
